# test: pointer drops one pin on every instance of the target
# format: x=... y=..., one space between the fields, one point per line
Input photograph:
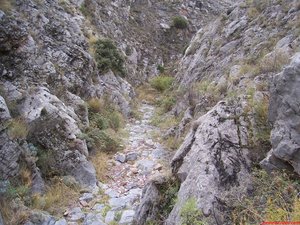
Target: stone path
x=117 y=200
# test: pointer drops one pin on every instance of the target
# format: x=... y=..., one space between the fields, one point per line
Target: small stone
x=127 y=217
x=98 y=207
x=110 y=216
x=120 y=158
x=131 y=156
x=145 y=165
x=134 y=170
x=75 y=214
x=61 y=222
x=87 y=197
x=158 y=167
x=83 y=203
x=93 y=219
x=111 y=193
x=117 y=203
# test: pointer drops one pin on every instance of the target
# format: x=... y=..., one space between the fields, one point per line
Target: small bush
x=18 y=129
x=108 y=57
x=167 y=199
x=190 y=214
x=180 y=22
x=102 y=141
x=84 y=10
x=161 y=83
x=46 y=161
x=10 y=215
x=6 y=5
x=167 y=103
x=274 y=63
x=275 y=198
x=252 y=13
x=95 y=105
x=99 y=161
x=57 y=198
x=161 y=68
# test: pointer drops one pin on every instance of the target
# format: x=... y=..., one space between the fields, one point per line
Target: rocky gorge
x=149 y=112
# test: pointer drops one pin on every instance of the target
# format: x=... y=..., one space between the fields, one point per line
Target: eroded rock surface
x=212 y=160
x=285 y=115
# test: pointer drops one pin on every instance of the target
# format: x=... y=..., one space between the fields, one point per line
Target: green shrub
x=19 y=191
x=108 y=57
x=180 y=22
x=190 y=214
x=115 y=120
x=84 y=10
x=101 y=140
x=168 y=197
x=161 y=68
x=168 y=103
x=162 y=83
x=99 y=121
x=274 y=198
x=46 y=161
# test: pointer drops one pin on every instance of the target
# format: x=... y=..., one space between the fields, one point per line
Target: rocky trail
x=116 y=200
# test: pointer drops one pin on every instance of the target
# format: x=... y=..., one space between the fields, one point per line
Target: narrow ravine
x=128 y=172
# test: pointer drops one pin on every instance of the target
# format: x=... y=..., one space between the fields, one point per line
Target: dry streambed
x=128 y=172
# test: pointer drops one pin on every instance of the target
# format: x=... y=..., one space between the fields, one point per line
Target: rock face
x=148 y=208
x=230 y=51
x=224 y=78
x=284 y=114
x=212 y=161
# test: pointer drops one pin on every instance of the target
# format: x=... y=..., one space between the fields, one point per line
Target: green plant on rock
x=190 y=214
x=108 y=57
x=167 y=103
x=180 y=22
x=101 y=140
x=169 y=196
x=162 y=83
x=18 y=128
x=274 y=198
x=161 y=68
x=46 y=161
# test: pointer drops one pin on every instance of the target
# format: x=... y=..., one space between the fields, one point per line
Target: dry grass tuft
x=5 y=5
x=12 y=215
x=96 y=104
x=56 y=199
x=18 y=129
x=147 y=93
x=99 y=161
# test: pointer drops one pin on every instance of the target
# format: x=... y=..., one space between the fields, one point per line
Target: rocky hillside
x=69 y=70
x=236 y=88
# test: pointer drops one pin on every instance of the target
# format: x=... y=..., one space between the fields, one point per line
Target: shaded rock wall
x=284 y=114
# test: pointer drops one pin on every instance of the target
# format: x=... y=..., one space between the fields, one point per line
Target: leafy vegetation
x=180 y=22
x=162 y=83
x=108 y=57
x=46 y=161
x=168 y=196
x=105 y=120
x=275 y=198
x=190 y=214
x=161 y=68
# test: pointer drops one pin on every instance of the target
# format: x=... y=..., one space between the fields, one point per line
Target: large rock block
x=285 y=115
x=212 y=161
